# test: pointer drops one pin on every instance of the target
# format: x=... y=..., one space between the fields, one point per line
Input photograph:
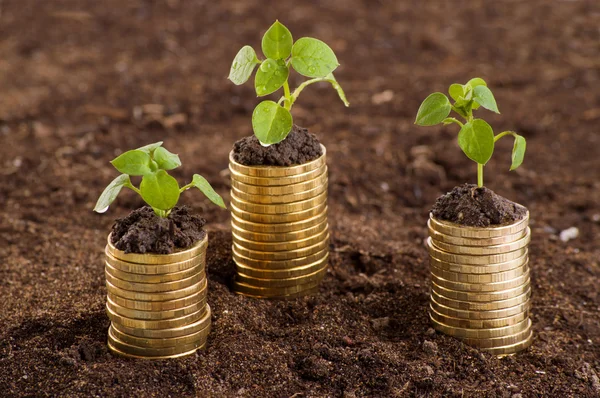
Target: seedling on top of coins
x=158 y=189
x=476 y=137
x=272 y=121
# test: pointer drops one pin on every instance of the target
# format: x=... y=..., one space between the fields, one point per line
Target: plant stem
x=130 y=186
x=496 y=138
x=288 y=98
x=185 y=187
x=479 y=175
x=301 y=87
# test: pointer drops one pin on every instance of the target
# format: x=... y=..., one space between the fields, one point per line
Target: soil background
x=82 y=80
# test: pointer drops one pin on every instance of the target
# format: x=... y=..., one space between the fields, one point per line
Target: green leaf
x=270 y=76
x=134 y=163
x=433 y=110
x=518 y=152
x=277 y=42
x=160 y=190
x=331 y=79
x=271 y=123
x=200 y=182
x=165 y=159
x=243 y=64
x=484 y=97
x=111 y=192
x=476 y=139
x=313 y=58
x=456 y=91
x=476 y=81
x=150 y=147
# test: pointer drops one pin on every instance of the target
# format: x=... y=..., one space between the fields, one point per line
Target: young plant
x=476 y=137
x=158 y=189
x=272 y=121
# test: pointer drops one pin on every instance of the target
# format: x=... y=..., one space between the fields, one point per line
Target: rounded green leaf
x=134 y=163
x=484 y=97
x=203 y=185
x=270 y=76
x=160 y=190
x=111 y=192
x=476 y=81
x=518 y=152
x=313 y=58
x=271 y=123
x=433 y=110
x=165 y=159
x=476 y=139
x=277 y=42
x=243 y=64
x=456 y=91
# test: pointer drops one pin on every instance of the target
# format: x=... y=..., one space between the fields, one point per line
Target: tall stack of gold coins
x=280 y=229
x=157 y=302
x=480 y=284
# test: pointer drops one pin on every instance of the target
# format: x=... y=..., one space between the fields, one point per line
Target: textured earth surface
x=81 y=80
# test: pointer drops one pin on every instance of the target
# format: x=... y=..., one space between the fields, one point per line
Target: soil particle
x=476 y=207
x=299 y=147
x=429 y=347
x=142 y=231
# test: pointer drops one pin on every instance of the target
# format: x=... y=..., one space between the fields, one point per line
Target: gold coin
x=269 y=292
x=462 y=231
x=287 y=282
x=281 y=256
x=154 y=287
x=474 y=259
x=278 y=265
x=484 y=250
x=282 y=273
x=155 y=324
x=478 y=323
x=511 y=349
x=279 y=218
x=154 y=358
x=479 y=305
x=480 y=278
x=280 y=199
x=280 y=190
x=279 y=228
x=280 y=237
x=479 y=333
x=478 y=296
x=161 y=305
x=277 y=171
x=167 y=333
x=201 y=335
x=158 y=259
x=163 y=296
x=279 y=208
x=500 y=341
x=479 y=269
x=156 y=315
x=453 y=240
x=151 y=351
x=143 y=269
x=481 y=287
x=479 y=315
x=277 y=181
x=303 y=293
x=155 y=278
x=280 y=246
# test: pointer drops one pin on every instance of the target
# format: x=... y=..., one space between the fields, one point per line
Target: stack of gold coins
x=157 y=302
x=480 y=284
x=279 y=226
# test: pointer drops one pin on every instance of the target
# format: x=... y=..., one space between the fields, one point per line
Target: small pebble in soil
x=569 y=234
x=380 y=323
x=429 y=347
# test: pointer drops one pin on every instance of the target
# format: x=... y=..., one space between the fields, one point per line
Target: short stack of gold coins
x=480 y=284
x=157 y=302
x=279 y=226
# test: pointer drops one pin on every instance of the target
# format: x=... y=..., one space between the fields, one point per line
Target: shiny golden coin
x=479 y=333
x=282 y=273
x=151 y=351
x=281 y=256
x=478 y=323
x=453 y=240
x=478 y=296
x=462 y=231
x=154 y=287
x=162 y=296
x=155 y=278
x=144 y=269
x=280 y=246
x=158 y=259
x=500 y=341
x=279 y=218
x=155 y=324
x=154 y=358
x=268 y=228
x=186 y=330
x=479 y=269
x=277 y=171
x=268 y=292
x=280 y=190
x=156 y=315
x=283 y=282
x=281 y=237
x=280 y=199
x=475 y=259
x=279 y=265
x=480 y=278
x=278 y=208
x=480 y=305
x=303 y=293
x=481 y=287
x=478 y=315
x=277 y=181
x=484 y=250
x=161 y=343
x=169 y=305
x=511 y=349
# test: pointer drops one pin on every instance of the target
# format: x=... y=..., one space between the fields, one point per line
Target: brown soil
x=476 y=207
x=142 y=231
x=299 y=147
x=82 y=80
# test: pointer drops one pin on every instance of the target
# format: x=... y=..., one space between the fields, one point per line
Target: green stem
x=130 y=186
x=479 y=175
x=449 y=120
x=288 y=98
x=185 y=187
x=496 y=138
x=301 y=87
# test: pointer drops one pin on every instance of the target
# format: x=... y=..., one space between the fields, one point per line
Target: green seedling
x=272 y=121
x=158 y=189
x=476 y=137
